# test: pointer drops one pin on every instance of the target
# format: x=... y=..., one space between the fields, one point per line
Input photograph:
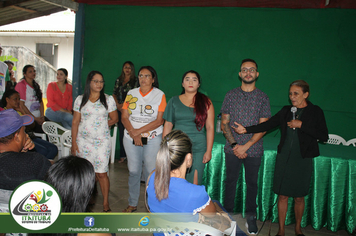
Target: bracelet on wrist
x=233 y=145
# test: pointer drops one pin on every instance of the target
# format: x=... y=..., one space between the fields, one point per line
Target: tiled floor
x=119 y=194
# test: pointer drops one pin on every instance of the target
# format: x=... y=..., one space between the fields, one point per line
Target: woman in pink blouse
x=60 y=100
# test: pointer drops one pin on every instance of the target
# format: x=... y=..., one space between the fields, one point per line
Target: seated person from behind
x=16 y=164
x=68 y=174
x=168 y=190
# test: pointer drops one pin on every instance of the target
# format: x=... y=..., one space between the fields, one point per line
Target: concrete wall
x=65 y=43
x=45 y=72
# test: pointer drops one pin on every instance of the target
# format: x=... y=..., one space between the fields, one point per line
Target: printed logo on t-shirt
x=131 y=103
x=35 y=106
x=146 y=110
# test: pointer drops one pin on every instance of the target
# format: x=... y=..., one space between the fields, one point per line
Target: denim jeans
x=59 y=116
x=233 y=166
x=47 y=149
x=136 y=157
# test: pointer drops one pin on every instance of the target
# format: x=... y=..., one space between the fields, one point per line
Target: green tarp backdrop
x=317 y=45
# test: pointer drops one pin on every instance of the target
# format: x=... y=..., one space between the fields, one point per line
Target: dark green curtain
x=317 y=45
x=331 y=199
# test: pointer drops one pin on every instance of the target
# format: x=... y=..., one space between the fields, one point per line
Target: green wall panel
x=317 y=45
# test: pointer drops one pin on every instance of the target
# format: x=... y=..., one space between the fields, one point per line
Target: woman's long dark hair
x=133 y=79
x=36 y=86
x=86 y=94
x=153 y=73
x=8 y=93
x=201 y=104
x=74 y=179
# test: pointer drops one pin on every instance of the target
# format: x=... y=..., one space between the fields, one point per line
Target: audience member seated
x=60 y=100
x=74 y=179
x=11 y=100
x=168 y=191
x=16 y=164
x=31 y=96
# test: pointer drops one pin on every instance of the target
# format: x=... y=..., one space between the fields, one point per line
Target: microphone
x=293 y=110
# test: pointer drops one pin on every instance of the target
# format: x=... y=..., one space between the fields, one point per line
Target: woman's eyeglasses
x=141 y=76
x=98 y=81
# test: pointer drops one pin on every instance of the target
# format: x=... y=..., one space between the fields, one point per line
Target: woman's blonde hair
x=171 y=155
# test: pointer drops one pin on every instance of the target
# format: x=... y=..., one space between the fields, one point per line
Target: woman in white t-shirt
x=31 y=96
x=142 y=116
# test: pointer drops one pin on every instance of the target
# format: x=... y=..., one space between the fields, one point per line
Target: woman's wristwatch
x=233 y=145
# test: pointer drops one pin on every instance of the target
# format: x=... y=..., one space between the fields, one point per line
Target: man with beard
x=246 y=105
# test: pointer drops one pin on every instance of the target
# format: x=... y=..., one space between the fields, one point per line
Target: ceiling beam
x=4 y=4
x=29 y=16
x=63 y=3
x=23 y=9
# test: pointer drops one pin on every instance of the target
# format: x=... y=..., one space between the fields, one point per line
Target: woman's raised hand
x=239 y=128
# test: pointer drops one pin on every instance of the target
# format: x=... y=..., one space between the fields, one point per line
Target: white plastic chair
x=51 y=129
x=42 y=136
x=351 y=142
x=113 y=144
x=4 y=200
x=336 y=139
x=4 y=207
x=66 y=140
x=195 y=228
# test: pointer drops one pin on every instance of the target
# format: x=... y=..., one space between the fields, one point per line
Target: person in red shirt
x=60 y=100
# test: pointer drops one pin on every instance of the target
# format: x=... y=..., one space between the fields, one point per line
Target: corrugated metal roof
x=20 y=10
x=60 y=22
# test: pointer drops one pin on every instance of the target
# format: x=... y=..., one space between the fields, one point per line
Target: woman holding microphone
x=302 y=125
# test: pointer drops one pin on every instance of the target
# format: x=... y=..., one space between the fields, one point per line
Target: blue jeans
x=136 y=156
x=47 y=149
x=59 y=116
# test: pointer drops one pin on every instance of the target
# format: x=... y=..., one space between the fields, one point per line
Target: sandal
x=107 y=211
x=130 y=209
